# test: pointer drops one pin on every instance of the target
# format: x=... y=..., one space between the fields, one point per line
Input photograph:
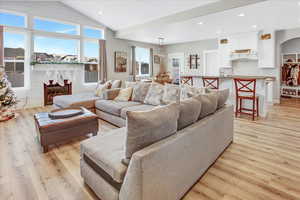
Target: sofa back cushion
x=171 y=93
x=155 y=94
x=189 y=91
x=209 y=103
x=222 y=96
x=147 y=127
x=189 y=112
x=140 y=90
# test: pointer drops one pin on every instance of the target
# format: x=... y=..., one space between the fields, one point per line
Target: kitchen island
x=264 y=89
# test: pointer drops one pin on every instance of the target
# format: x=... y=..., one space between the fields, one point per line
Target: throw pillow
x=209 y=104
x=154 y=94
x=124 y=94
x=222 y=96
x=189 y=112
x=147 y=127
x=189 y=91
x=171 y=94
x=116 y=84
x=101 y=88
x=140 y=90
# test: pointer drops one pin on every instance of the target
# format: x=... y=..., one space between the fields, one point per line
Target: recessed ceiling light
x=254 y=26
x=200 y=23
x=298 y=3
x=241 y=15
x=100 y=13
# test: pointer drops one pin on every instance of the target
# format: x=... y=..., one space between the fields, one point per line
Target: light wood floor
x=263 y=163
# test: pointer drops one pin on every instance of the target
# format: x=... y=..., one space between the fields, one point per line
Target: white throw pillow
x=101 y=88
x=124 y=94
x=171 y=94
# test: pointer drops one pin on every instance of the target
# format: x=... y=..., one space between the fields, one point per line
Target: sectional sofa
x=174 y=144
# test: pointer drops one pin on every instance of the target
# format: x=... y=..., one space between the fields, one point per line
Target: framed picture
x=156 y=59
x=120 y=61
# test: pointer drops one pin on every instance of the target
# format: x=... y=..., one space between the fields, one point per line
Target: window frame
x=91 y=27
x=83 y=55
x=18 y=14
x=24 y=61
x=144 y=75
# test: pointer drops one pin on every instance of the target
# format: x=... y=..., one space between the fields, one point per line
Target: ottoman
x=51 y=131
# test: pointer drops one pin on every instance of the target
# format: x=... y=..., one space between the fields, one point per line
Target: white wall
x=58 y=11
x=196 y=47
x=291 y=46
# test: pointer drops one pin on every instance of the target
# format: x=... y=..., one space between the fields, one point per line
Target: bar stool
x=245 y=89
x=187 y=80
x=211 y=82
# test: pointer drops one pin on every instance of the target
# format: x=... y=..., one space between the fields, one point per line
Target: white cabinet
x=224 y=54
x=244 y=41
x=266 y=49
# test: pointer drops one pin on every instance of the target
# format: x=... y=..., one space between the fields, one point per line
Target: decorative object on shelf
x=193 y=61
x=54 y=89
x=7 y=97
x=246 y=51
x=267 y=36
x=120 y=61
x=156 y=59
x=163 y=78
x=224 y=41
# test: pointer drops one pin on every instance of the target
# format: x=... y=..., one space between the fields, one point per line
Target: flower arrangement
x=7 y=97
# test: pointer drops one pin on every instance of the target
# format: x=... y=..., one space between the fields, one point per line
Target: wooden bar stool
x=245 y=89
x=211 y=82
x=187 y=80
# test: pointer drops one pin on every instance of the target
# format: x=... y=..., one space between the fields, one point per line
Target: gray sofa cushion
x=189 y=112
x=114 y=107
x=140 y=90
x=222 y=96
x=107 y=151
x=142 y=107
x=86 y=100
x=209 y=103
x=189 y=91
x=155 y=94
x=147 y=127
x=171 y=94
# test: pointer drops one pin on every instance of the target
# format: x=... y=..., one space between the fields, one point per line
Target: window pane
x=12 y=20
x=91 y=73
x=91 y=52
x=143 y=61
x=15 y=73
x=52 y=26
x=92 y=33
x=48 y=49
x=14 y=46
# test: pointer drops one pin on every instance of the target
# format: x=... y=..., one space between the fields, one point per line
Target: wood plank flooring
x=263 y=163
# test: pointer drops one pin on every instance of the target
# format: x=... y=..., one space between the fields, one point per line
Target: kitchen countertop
x=272 y=78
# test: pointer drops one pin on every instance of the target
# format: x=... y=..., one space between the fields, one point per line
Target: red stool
x=187 y=80
x=212 y=82
x=246 y=90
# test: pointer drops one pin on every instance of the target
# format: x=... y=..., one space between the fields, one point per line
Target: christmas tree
x=7 y=97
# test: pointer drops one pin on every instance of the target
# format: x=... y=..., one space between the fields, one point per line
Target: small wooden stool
x=211 y=82
x=246 y=90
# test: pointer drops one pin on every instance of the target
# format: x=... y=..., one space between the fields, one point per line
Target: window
x=14 y=56
x=57 y=27
x=93 y=33
x=8 y=19
x=142 y=57
x=48 y=49
x=91 y=59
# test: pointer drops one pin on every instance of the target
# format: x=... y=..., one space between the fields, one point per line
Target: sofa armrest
x=111 y=94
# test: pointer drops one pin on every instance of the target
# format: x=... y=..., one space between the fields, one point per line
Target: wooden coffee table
x=51 y=131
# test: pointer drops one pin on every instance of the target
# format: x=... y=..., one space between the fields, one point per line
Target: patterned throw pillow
x=189 y=91
x=171 y=93
x=140 y=90
x=116 y=84
x=124 y=94
x=101 y=88
x=155 y=94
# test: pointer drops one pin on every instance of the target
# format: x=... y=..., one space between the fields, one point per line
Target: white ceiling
x=177 y=20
